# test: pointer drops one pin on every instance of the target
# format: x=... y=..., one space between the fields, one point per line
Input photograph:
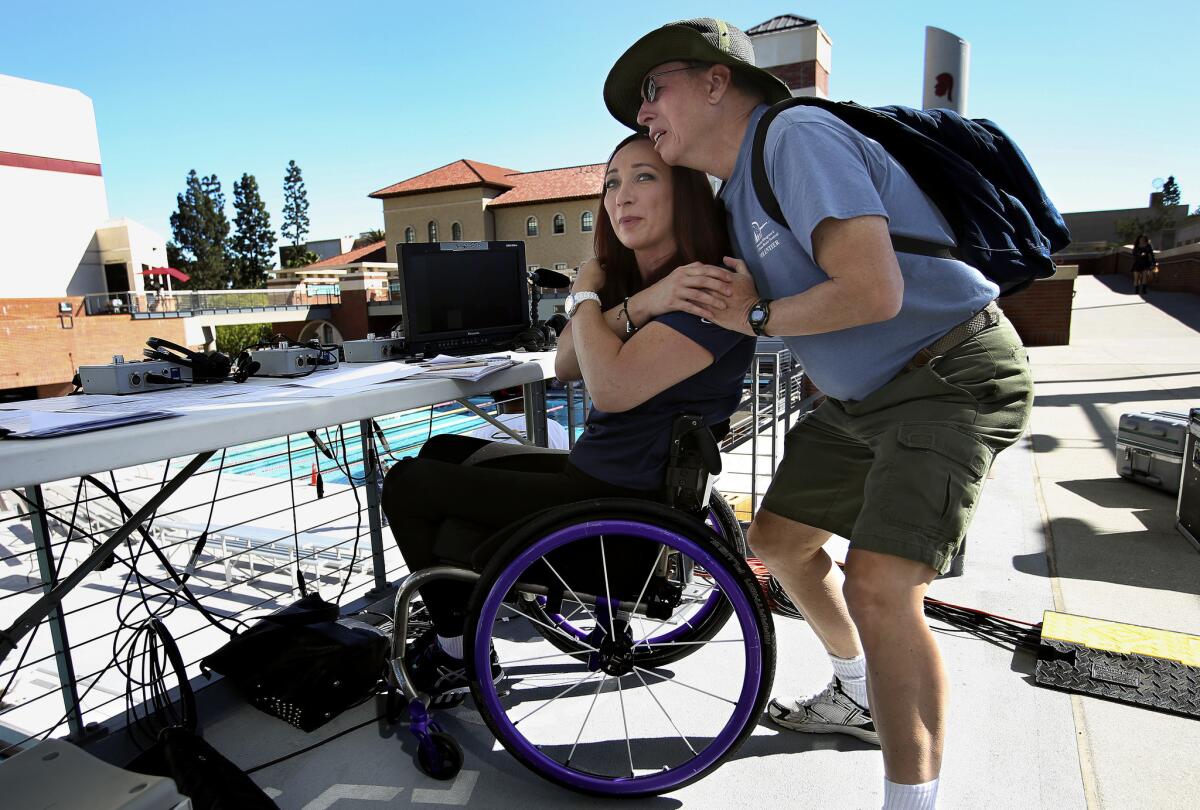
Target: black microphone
x=550 y=279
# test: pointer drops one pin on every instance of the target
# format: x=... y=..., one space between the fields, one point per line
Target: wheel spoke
x=645 y=642
x=570 y=688
x=537 y=658
x=649 y=576
x=551 y=627
x=625 y=723
x=686 y=685
x=583 y=725
x=570 y=590
x=666 y=714
x=607 y=593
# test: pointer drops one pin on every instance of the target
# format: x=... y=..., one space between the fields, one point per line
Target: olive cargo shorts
x=900 y=472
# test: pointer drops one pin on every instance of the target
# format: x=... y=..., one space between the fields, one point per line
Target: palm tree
x=369 y=237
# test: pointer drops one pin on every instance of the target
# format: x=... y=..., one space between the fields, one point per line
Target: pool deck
x=1056 y=529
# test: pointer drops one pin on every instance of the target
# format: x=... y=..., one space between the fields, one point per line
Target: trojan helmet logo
x=944 y=86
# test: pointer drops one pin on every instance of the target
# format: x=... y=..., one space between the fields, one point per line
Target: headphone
x=205 y=366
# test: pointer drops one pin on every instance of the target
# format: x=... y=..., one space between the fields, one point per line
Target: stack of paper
x=24 y=424
x=465 y=368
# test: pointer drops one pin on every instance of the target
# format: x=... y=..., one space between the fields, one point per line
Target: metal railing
x=185 y=303
x=241 y=531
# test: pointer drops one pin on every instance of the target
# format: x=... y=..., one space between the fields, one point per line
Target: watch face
x=569 y=305
x=757 y=315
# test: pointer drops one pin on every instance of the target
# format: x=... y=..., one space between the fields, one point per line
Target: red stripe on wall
x=48 y=164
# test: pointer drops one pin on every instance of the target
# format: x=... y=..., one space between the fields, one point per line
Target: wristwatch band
x=575 y=299
x=759 y=316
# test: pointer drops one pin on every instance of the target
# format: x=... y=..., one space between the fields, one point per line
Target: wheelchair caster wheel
x=439 y=755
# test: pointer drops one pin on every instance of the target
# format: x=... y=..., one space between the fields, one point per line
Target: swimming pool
x=405 y=433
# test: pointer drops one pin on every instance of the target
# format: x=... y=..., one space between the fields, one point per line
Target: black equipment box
x=1187 y=509
x=1150 y=446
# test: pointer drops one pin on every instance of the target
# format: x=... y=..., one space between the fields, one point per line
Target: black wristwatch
x=759 y=315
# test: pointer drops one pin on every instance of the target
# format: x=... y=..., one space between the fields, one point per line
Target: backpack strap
x=770 y=204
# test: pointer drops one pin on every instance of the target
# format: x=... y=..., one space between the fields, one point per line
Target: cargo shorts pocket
x=933 y=480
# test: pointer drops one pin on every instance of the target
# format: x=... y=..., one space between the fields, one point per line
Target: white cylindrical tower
x=947 y=70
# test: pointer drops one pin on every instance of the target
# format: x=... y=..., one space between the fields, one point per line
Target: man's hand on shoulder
x=742 y=295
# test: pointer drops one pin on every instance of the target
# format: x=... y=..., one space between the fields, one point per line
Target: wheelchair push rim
x=757 y=644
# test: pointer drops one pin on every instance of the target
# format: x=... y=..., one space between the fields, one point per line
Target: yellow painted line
x=1125 y=639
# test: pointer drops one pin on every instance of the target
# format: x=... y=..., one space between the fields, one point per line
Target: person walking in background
x=1144 y=263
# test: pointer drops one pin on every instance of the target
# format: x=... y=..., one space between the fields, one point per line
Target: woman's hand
x=590 y=276
x=700 y=289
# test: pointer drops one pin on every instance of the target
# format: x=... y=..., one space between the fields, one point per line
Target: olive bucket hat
x=700 y=40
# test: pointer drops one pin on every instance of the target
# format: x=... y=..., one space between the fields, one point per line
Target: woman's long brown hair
x=699 y=228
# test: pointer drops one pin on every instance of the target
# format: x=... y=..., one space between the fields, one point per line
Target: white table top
x=36 y=461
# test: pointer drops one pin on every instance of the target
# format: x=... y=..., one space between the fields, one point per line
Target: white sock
x=852 y=672
x=451 y=646
x=910 y=797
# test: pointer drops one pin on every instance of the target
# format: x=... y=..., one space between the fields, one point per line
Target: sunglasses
x=650 y=87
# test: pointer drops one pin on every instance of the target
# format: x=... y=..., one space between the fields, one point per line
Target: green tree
x=252 y=246
x=236 y=337
x=1170 y=192
x=301 y=258
x=200 y=230
x=295 y=206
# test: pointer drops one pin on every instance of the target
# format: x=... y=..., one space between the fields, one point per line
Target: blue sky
x=1102 y=96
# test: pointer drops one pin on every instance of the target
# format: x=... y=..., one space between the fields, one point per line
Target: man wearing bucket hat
x=926 y=380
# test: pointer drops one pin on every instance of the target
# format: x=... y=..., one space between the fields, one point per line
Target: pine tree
x=1170 y=192
x=200 y=229
x=295 y=206
x=252 y=247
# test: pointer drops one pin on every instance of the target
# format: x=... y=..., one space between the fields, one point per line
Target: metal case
x=374 y=349
x=1187 y=508
x=1150 y=446
x=119 y=377
x=292 y=361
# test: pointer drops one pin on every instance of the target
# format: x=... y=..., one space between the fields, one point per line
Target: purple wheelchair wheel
x=709 y=610
x=607 y=723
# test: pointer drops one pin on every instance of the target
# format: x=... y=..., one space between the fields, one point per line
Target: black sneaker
x=440 y=675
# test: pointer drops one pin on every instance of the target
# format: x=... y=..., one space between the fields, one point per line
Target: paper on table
x=24 y=424
x=357 y=375
x=464 y=368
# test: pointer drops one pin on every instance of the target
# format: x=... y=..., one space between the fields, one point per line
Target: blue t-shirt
x=818 y=168
x=631 y=449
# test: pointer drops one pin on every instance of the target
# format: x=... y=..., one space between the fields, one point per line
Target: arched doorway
x=323 y=331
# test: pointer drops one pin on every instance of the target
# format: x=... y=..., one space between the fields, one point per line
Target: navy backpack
x=1003 y=223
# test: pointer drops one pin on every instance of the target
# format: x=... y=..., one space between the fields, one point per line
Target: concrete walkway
x=1114 y=550
x=1056 y=529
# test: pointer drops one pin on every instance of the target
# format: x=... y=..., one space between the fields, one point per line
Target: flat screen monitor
x=476 y=290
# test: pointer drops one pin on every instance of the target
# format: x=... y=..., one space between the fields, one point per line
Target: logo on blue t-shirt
x=764 y=241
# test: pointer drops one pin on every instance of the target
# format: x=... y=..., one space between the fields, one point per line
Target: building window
x=432 y=231
x=531 y=226
x=585 y=221
x=560 y=266
x=410 y=235
x=533 y=268
x=560 y=223
x=456 y=232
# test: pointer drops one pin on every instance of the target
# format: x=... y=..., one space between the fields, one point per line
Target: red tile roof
x=571 y=183
x=362 y=254
x=459 y=174
x=520 y=188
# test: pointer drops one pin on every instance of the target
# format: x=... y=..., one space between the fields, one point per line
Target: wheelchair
x=637 y=647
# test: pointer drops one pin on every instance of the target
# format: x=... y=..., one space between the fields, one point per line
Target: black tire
x=439 y=755
x=659 y=516
x=727 y=532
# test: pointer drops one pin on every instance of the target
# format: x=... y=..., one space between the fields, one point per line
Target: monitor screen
x=463 y=289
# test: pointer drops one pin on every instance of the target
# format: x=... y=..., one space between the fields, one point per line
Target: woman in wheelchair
x=644 y=359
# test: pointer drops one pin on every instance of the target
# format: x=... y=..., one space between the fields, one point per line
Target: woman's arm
x=695 y=288
x=622 y=375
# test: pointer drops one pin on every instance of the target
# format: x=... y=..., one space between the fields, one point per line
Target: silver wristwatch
x=575 y=299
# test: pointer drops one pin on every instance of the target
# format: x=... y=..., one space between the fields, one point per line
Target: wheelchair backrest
x=694 y=462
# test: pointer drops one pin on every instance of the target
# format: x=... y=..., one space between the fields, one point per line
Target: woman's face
x=638 y=198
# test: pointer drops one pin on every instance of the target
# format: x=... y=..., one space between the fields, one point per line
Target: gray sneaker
x=830 y=711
